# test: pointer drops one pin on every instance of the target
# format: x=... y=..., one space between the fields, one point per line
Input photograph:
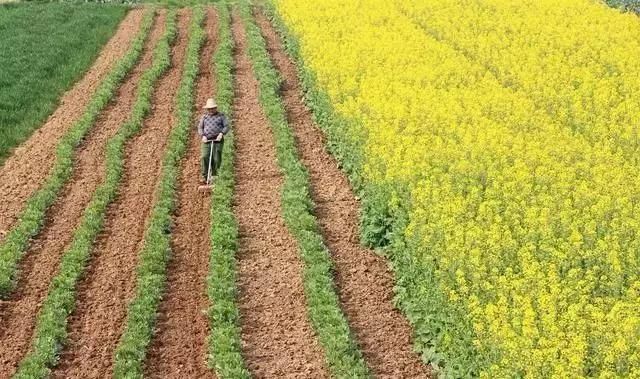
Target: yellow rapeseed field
x=508 y=132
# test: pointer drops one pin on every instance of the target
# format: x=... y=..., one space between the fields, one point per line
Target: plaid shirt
x=211 y=125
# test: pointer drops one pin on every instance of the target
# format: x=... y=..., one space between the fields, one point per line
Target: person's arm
x=225 y=125
x=201 y=126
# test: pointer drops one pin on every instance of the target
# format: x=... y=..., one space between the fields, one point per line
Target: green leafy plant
x=156 y=252
x=51 y=328
x=225 y=350
x=343 y=356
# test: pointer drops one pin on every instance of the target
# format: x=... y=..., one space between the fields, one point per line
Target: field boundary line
x=323 y=306
x=51 y=329
x=225 y=345
x=31 y=219
x=152 y=268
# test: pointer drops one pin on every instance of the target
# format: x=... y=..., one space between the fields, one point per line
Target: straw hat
x=210 y=104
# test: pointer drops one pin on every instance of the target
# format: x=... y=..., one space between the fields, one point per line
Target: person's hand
x=219 y=137
x=204 y=139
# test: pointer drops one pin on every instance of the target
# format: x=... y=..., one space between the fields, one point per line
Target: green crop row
x=31 y=219
x=34 y=73
x=342 y=354
x=151 y=277
x=376 y=220
x=225 y=351
x=51 y=329
x=344 y=141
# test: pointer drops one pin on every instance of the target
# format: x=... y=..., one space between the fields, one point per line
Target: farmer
x=213 y=126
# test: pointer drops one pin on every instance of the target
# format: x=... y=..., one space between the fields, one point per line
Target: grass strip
x=35 y=74
x=51 y=328
x=343 y=356
x=225 y=348
x=154 y=257
x=13 y=247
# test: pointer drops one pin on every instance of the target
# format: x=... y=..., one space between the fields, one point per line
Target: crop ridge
x=156 y=251
x=225 y=344
x=364 y=281
x=31 y=220
x=179 y=345
x=277 y=336
x=51 y=329
x=108 y=285
x=343 y=356
x=44 y=252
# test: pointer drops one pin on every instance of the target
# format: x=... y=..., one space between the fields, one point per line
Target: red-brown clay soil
x=179 y=348
x=18 y=314
x=29 y=165
x=277 y=337
x=109 y=284
x=364 y=282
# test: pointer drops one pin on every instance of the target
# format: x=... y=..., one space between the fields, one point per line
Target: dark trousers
x=216 y=158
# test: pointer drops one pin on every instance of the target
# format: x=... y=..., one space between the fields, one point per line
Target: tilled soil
x=109 y=284
x=278 y=340
x=364 y=282
x=18 y=314
x=179 y=348
x=29 y=165
x=277 y=337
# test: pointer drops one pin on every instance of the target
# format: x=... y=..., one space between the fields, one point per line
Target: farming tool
x=209 y=186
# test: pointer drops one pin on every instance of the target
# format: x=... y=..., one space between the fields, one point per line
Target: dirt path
x=179 y=348
x=18 y=314
x=364 y=282
x=29 y=165
x=278 y=340
x=109 y=284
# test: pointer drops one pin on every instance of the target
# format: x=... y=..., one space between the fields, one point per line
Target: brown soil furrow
x=365 y=284
x=179 y=349
x=29 y=165
x=109 y=284
x=278 y=340
x=18 y=314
